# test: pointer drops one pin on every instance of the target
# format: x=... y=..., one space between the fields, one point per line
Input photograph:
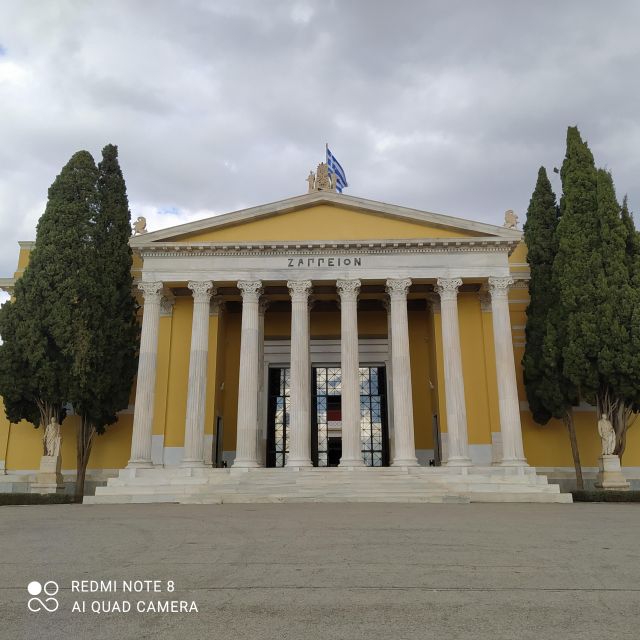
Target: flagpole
x=326 y=152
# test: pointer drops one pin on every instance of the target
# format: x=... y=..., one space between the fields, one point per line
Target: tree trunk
x=568 y=421
x=623 y=420
x=84 y=441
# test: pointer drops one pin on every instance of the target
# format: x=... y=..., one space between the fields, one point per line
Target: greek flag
x=336 y=168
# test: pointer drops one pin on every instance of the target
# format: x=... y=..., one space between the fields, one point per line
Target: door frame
x=323 y=352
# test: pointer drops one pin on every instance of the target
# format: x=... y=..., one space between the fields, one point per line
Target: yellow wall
x=420 y=377
x=178 y=374
x=110 y=450
x=232 y=367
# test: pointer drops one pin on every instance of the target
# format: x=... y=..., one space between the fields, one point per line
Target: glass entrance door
x=373 y=416
x=278 y=417
x=326 y=436
x=326 y=416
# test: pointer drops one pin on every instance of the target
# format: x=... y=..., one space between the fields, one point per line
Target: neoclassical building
x=325 y=337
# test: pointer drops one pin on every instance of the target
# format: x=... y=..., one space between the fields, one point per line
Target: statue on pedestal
x=49 y=477
x=607 y=435
x=52 y=438
x=610 y=475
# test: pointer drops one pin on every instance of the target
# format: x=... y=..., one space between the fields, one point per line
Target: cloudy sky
x=444 y=106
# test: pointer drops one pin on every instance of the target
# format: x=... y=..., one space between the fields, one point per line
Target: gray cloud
x=444 y=106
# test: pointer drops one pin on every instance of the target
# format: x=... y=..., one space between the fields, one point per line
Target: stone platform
x=388 y=484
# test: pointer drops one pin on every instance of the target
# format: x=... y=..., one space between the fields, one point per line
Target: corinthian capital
x=447 y=288
x=251 y=290
x=202 y=291
x=152 y=291
x=499 y=286
x=348 y=289
x=397 y=288
x=299 y=290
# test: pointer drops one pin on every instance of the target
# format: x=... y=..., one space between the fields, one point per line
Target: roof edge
x=325 y=197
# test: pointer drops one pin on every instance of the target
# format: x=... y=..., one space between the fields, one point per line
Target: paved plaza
x=325 y=570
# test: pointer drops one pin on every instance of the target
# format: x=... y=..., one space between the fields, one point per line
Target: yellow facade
x=545 y=447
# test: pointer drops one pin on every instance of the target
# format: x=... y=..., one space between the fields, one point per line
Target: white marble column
x=389 y=375
x=350 y=364
x=508 y=403
x=247 y=427
x=457 y=438
x=146 y=379
x=262 y=392
x=300 y=408
x=404 y=442
x=197 y=391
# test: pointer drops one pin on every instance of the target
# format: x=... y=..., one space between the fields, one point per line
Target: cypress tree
x=616 y=299
x=549 y=393
x=18 y=389
x=619 y=363
x=103 y=382
x=632 y=248
x=596 y=324
x=577 y=269
x=36 y=361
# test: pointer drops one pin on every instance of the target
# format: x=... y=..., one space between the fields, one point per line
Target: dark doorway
x=278 y=417
x=334 y=452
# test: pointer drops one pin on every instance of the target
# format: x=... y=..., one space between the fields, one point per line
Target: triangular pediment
x=324 y=216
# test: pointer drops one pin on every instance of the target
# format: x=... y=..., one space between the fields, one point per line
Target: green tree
x=108 y=332
x=577 y=269
x=19 y=389
x=549 y=393
x=597 y=326
x=35 y=368
x=632 y=248
x=619 y=359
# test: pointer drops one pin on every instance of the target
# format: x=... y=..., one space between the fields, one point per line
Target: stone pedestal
x=610 y=475
x=49 y=478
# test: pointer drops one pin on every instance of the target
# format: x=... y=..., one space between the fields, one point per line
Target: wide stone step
x=388 y=484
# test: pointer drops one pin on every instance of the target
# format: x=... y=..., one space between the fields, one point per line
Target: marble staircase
x=389 y=484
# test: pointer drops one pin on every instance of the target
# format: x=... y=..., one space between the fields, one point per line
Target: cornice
x=364 y=247
x=7 y=285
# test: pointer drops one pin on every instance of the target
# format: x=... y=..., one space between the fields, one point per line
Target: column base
x=405 y=462
x=513 y=462
x=299 y=463
x=245 y=464
x=139 y=464
x=459 y=461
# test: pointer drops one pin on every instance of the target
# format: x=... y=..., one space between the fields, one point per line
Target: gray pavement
x=329 y=570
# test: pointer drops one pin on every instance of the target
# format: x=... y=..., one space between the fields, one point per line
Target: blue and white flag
x=336 y=168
